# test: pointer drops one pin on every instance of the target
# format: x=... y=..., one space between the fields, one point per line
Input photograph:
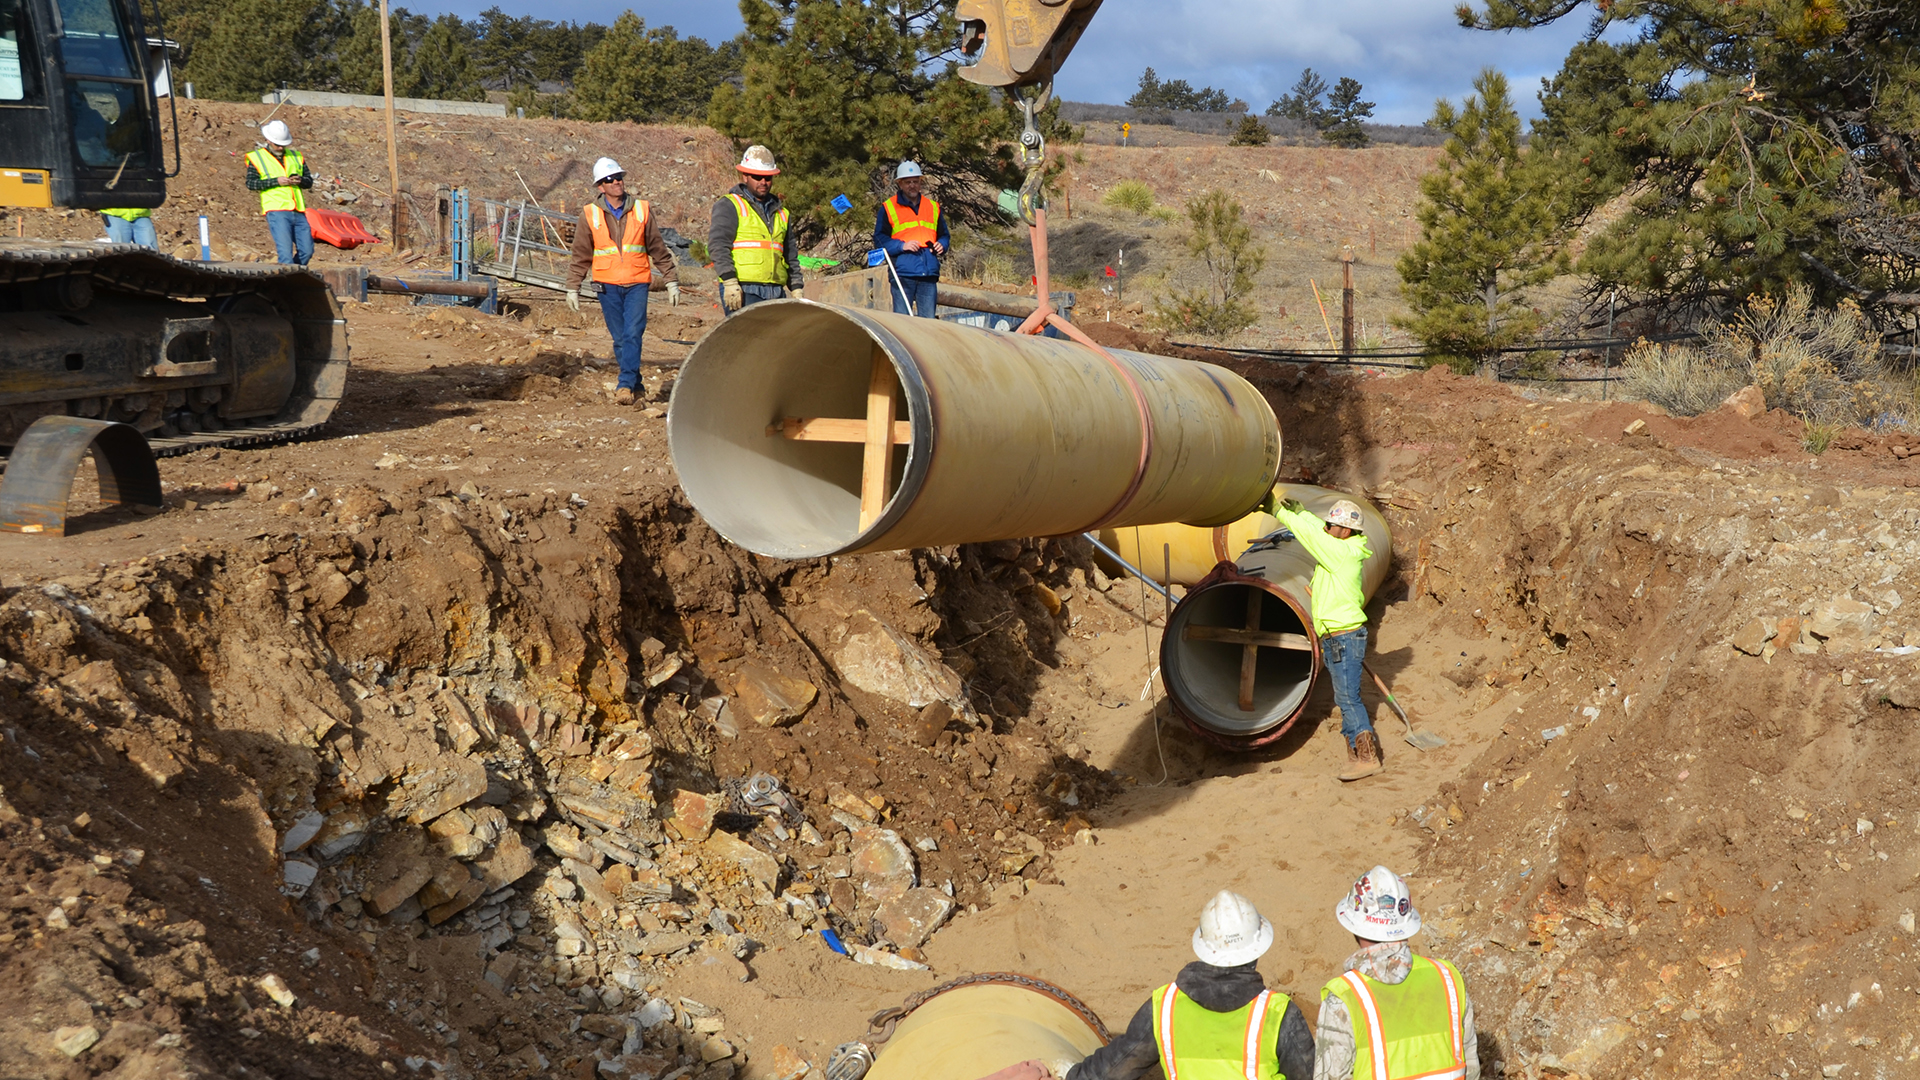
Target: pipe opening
x=790 y=498
x=1206 y=647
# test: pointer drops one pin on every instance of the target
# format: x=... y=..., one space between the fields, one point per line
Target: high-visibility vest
x=1417 y=1022
x=269 y=168
x=1196 y=1043
x=128 y=215
x=759 y=253
x=908 y=224
x=623 y=261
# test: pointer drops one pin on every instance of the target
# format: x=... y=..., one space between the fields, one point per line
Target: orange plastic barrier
x=342 y=230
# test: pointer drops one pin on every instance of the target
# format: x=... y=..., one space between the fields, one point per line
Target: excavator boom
x=1020 y=42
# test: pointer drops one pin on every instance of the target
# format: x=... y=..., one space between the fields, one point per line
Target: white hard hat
x=606 y=167
x=1231 y=931
x=275 y=132
x=1345 y=512
x=758 y=160
x=1379 y=907
x=906 y=169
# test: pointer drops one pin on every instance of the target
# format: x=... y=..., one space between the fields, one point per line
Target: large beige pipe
x=1204 y=649
x=1010 y=436
x=1174 y=554
x=978 y=1029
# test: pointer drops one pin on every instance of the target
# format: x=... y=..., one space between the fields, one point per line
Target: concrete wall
x=373 y=101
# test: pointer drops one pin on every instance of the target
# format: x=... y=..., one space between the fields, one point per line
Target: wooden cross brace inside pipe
x=1251 y=640
x=879 y=433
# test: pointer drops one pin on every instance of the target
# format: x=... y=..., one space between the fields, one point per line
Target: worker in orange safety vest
x=913 y=232
x=619 y=241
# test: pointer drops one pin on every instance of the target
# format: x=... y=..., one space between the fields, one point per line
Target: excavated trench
x=461 y=782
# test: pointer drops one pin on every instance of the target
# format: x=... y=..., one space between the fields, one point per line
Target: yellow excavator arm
x=1020 y=42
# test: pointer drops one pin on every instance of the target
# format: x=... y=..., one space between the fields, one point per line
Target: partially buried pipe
x=779 y=410
x=1239 y=656
x=984 y=1023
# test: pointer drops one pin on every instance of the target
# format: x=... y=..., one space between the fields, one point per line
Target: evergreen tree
x=1222 y=240
x=649 y=75
x=358 y=57
x=441 y=64
x=505 y=54
x=1176 y=94
x=1250 y=132
x=1487 y=234
x=842 y=90
x=259 y=45
x=1345 y=113
x=1303 y=103
x=1764 y=143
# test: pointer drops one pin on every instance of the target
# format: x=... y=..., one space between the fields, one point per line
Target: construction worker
x=1215 y=1015
x=913 y=232
x=620 y=242
x=747 y=235
x=130 y=227
x=279 y=174
x=1392 y=1015
x=1339 y=549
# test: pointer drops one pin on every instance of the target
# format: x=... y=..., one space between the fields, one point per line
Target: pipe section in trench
x=1239 y=656
x=995 y=436
x=975 y=1030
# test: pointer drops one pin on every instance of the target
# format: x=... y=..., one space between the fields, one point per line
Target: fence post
x=1346 y=303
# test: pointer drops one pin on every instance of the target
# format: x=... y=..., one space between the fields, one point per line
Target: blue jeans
x=292 y=236
x=923 y=291
x=1344 y=654
x=625 y=309
x=138 y=231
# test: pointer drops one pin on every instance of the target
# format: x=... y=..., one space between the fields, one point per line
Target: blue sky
x=1406 y=53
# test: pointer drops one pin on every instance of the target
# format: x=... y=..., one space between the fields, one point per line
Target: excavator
x=116 y=349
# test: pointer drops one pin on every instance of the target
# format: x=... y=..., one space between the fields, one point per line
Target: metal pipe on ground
x=802 y=429
x=975 y=1030
x=376 y=283
x=1239 y=656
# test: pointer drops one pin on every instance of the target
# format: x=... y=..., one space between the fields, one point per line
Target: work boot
x=1363 y=757
x=623 y=396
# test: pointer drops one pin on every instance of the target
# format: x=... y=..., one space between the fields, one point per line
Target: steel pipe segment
x=1240 y=656
x=975 y=1030
x=783 y=416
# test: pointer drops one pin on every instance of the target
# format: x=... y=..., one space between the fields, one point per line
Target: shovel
x=1419 y=740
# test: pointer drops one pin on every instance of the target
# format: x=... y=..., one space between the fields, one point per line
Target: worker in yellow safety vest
x=1340 y=553
x=1216 y=1020
x=748 y=236
x=619 y=241
x=279 y=174
x=1392 y=1015
x=913 y=232
x=133 y=226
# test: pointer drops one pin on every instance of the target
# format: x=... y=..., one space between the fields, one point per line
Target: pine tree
x=1763 y=144
x=843 y=91
x=1222 y=240
x=258 y=45
x=1345 y=113
x=1250 y=132
x=1488 y=234
x=648 y=75
x=441 y=65
x=1302 y=103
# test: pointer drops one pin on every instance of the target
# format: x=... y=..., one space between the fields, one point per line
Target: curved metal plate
x=40 y=471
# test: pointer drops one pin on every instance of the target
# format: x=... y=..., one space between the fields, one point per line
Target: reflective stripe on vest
x=622 y=262
x=908 y=225
x=1412 y=1053
x=759 y=253
x=271 y=168
x=1197 y=1043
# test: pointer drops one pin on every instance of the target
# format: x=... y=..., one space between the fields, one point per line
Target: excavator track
x=193 y=354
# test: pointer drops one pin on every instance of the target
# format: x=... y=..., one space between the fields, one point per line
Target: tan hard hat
x=758 y=160
x=1346 y=512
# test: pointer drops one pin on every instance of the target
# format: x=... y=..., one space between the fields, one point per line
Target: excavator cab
x=77 y=122
x=1018 y=42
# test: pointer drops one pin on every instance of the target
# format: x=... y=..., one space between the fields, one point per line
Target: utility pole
x=1346 y=302
x=399 y=239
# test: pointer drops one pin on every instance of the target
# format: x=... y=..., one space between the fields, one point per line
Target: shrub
x=1223 y=242
x=1681 y=379
x=1251 y=132
x=1132 y=195
x=1818 y=437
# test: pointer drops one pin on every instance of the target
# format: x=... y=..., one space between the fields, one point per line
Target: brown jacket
x=582 y=261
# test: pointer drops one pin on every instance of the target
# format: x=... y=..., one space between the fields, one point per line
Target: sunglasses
x=614 y=179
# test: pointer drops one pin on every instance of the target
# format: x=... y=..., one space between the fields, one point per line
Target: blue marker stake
x=206 y=246
x=833 y=942
x=841 y=203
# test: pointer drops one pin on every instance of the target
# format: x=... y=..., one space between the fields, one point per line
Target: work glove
x=1291 y=505
x=673 y=294
x=731 y=294
x=797 y=294
x=573 y=300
